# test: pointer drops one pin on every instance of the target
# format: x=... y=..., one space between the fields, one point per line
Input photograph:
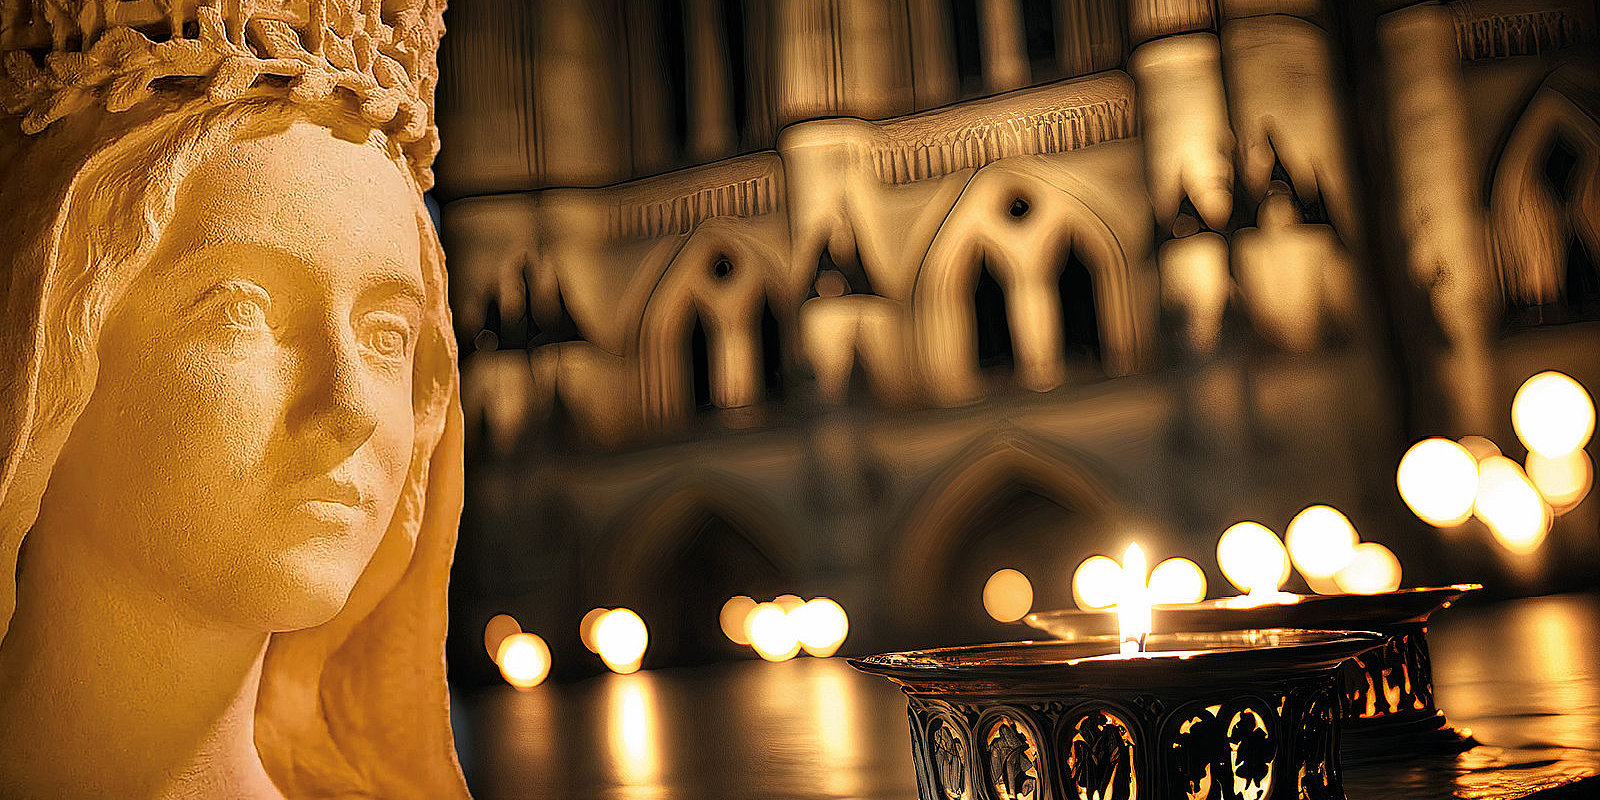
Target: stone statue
x=230 y=437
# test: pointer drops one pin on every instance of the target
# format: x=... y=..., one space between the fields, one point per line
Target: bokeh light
x=1177 y=580
x=1252 y=558
x=1321 y=541
x=1438 y=479
x=1008 y=595
x=820 y=625
x=1373 y=568
x=586 y=627
x=733 y=616
x=620 y=637
x=1096 y=583
x=788 y=602
x=1552 y=414
x=771 y=632
x=500 y=626
x=524 y=660
x=1511 y=506
x=1564 y=481
x=1481 y=447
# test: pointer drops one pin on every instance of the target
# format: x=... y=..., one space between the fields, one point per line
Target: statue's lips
x=333 y=501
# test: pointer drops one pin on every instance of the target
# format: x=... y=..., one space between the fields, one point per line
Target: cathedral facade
x=869 y=298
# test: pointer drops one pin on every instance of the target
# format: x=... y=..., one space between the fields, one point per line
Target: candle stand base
x=1244 y=714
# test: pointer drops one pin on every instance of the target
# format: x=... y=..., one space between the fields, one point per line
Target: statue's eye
x=246 y=313
x=386 y=335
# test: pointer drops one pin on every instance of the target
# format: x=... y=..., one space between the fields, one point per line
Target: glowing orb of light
x=788 y=602
x=820 y=625
x=1438 y=479
x=1373 y=569
x=620 y=637
x=500 y=626
x=1481 y=447
x=1553 y=414
x=772 y=633
x=733 y=616
x=1177 y=580
x=1007 y=595
x=1511 y=506
x=524 y=660
x=586 y=627
x=1321 y=541
x=1097 y=583
x=1563 y=481
x=1252 y=558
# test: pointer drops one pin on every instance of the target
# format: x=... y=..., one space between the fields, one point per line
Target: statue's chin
x=305 y=587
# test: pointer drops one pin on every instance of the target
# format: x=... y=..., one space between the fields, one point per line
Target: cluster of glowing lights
x=618 y=635
x=1099 y=582
x=1373 y=569
x=523 y=658
x=1007 y=595
x=781 y=628
x=1445 y=483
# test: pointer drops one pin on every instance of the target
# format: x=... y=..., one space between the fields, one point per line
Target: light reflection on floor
x=1524 y=676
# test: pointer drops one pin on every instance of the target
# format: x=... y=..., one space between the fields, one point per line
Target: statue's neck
x=110 y=690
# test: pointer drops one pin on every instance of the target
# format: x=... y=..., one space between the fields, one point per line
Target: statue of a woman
x=230 y=456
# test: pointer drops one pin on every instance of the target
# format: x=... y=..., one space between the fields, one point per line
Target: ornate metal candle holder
x=1387 y=693
x=1242 y=715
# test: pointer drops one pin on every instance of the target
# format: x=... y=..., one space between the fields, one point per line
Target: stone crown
x=60 y=56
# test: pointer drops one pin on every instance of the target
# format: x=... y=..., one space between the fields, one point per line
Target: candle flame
x=1133 y=608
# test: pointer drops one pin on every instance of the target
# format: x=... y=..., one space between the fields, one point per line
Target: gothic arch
x=659 y=524
x=1531 y=226
x=721 y=276
x=933 y=528
x=1021 y=222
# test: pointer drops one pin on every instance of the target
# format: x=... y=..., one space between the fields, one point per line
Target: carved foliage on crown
x=60 y=56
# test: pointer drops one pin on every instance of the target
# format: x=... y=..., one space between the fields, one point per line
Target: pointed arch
x=1533 y=223
x=720 y=277
x=1022 y=222
x=667 y=517
x=934 y=527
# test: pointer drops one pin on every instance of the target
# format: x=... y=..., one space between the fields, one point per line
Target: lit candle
x=1133 y=607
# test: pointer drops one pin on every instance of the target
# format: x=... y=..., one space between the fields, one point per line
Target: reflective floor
x=1522 y=675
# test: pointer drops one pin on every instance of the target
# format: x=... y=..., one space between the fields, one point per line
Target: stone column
x=579 y=128
x=933 y=61
x=1088 y=36
x=1004 y=45
x=1148 y=19
x=712 y=133
x=649 y=97
x=1440 y=210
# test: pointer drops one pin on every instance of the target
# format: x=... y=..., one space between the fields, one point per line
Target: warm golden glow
x=1321 y=541
x=1563 y=481
x=1007 y=595
x=1553 y=414
x=771 y=633
x=1481 y=447
x=821 y=626
x=788 y=602
x=734 y=613
x=634 y=731
x=500 y=626
x=1133 y=603
x=524 y=660
x=586 y=627
x=1372 y=569
x=1252 y=558
x=1510 y=505
x=1438 y=479
x=620 y=637
x=1177 y=580
x=1096 y=583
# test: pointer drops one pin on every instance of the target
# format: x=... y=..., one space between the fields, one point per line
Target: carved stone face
x=252 y=425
